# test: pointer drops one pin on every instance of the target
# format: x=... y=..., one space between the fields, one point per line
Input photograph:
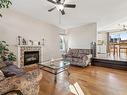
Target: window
x=62 y=43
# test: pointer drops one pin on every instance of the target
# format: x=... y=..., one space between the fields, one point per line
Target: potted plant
x=5 y=54
x=4 y=4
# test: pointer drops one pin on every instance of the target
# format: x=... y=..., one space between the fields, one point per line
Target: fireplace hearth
x=31 y=57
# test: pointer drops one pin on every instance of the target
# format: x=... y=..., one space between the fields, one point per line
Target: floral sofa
x=79 y=57
x=27 y=82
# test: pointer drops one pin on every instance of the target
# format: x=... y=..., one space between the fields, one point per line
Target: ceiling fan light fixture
x=60 y=7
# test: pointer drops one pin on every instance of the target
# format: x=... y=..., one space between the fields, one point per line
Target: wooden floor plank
x=93 y=80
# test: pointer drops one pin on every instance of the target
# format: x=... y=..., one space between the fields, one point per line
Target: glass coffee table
x=55 y=67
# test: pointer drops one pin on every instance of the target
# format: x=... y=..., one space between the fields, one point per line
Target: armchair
x=28 y=83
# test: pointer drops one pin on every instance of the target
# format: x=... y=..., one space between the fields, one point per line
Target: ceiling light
x=54 y=0
x=60 y=7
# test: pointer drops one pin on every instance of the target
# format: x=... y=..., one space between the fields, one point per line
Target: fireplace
x=28 y=55
x=31 y=57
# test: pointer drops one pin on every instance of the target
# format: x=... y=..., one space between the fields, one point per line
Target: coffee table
x=55 y=67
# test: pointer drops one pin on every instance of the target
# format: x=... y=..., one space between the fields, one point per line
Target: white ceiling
x=104 y=12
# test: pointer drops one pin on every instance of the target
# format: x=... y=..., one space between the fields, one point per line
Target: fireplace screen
x=31 y=57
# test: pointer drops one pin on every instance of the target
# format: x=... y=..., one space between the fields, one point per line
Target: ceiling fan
x=60 y=5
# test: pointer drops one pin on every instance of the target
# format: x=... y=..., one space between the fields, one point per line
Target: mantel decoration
x=23 y=41
x=5 y=54
x=5 y=4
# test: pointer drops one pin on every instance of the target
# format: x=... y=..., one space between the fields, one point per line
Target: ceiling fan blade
x=62 y=12
x=51 y=1
x=70 y=5
x=51 y=9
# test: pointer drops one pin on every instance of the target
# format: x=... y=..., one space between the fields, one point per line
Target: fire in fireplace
x=31 y=57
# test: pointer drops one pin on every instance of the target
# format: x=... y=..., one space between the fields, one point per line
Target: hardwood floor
x=93 y=80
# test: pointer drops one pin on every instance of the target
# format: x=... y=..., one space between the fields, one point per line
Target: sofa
x=79 y=57
x=25 y=82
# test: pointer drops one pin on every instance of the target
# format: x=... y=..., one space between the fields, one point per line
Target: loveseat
x=79 y=57
x=27 y=82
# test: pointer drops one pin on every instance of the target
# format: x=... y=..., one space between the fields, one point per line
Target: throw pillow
x=12 y=70
x=8 y=63
x=1 y=76
x=81 y=55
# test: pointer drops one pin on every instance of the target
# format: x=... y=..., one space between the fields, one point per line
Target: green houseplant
x=5 y=54
x=4 y=4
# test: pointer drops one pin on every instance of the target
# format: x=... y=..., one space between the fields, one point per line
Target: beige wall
x=13 y=24
x=81 y=37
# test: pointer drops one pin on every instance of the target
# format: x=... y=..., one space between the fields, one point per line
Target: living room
x=62 y=47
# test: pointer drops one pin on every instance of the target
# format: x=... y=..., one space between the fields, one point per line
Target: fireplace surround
x=28 y=55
